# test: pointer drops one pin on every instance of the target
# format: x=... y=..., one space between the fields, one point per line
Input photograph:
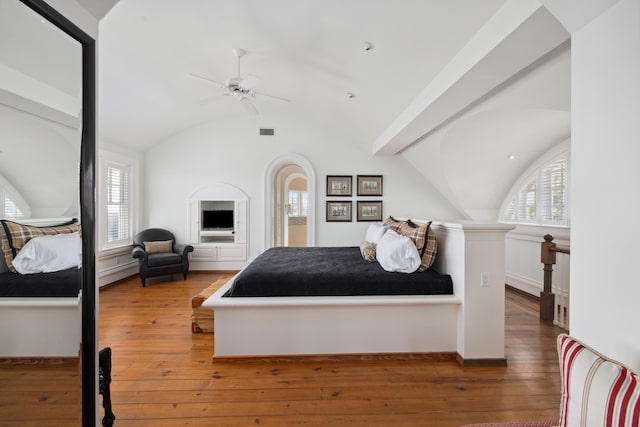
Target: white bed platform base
x=469 y=323
x=40 y=327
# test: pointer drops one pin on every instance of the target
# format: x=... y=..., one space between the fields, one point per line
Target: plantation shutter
x=527 y=200
x=118 y=203
x=9 y=209
x=554 y=192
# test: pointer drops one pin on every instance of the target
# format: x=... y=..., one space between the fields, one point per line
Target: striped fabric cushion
x=596 y=391
x=17 y=235
x=516 y=424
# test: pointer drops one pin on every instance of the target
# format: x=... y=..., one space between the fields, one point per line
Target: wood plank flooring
x=163 y=375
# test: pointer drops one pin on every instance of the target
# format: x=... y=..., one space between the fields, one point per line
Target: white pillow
x=46 y=254
x=375 y=232
x=397 y=253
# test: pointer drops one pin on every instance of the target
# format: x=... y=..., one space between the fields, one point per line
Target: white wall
x=41 y=162
x=232 y=152
x=605 y=174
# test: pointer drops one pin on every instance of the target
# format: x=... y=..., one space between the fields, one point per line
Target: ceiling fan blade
x=248 y=105
x=271 y=98
x=249 y=82
x=220 y=85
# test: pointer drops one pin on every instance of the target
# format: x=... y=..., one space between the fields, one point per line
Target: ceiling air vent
x=267 y=131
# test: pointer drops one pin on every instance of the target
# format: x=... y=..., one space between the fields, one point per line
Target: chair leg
x=144 y=281
x=104 y=370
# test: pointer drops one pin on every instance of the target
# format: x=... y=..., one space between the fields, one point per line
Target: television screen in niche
x=217 y=220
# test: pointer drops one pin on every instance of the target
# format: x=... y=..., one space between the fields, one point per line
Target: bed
x=467 y=324
x=40 y=308
x=330 y=271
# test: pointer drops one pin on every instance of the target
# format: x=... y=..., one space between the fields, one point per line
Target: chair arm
x=182 y=249
x=138 y=252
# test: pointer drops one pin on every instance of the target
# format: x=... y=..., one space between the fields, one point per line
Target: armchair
x=158 y=254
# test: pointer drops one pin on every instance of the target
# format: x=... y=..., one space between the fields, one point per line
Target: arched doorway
x=290 y=202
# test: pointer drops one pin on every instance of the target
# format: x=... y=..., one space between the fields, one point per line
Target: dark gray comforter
x=65 y=283
x=330 y=271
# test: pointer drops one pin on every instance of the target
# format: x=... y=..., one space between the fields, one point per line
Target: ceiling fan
x=242 y=88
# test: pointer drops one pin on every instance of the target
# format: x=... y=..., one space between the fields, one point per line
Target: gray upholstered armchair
x=159 y=254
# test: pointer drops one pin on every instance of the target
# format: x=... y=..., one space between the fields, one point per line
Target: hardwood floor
x=163 y=375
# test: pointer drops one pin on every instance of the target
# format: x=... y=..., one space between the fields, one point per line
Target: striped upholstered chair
x=596 y=390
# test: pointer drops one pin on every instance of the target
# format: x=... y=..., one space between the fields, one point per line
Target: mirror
x=40 y=108
x=47 y=140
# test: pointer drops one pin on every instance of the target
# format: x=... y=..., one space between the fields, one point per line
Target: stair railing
x=547 y=297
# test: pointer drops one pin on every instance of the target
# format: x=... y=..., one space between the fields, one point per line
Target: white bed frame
x=40 y=327
x=468 y=324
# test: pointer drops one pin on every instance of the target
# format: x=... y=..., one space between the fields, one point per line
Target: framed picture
x=339 y=185
x=369 y=211
x=369 y=185
x=338 y=211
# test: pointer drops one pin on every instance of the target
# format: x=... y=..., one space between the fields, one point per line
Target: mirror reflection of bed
x=40 y=148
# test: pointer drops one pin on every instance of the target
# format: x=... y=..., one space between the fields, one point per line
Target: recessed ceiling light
x=351 y=95
x=368 y=47
x=511 y=156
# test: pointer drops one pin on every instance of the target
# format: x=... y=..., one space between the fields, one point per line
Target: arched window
x=12 y=206
x=541 y=196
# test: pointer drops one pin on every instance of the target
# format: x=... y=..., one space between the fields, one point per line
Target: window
x=542 y=196
x=554 y=191
x=117 y=208
x=298 y=203
x=11 y=207
x=118 y=200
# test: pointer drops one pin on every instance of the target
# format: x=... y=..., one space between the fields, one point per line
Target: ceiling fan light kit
x=242 y=88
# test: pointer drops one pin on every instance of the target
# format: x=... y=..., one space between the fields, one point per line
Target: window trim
x=561 y=151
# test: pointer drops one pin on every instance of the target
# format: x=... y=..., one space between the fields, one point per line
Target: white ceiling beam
x=27 y=94
x=520 y=33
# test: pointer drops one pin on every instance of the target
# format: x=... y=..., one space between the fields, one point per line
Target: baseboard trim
x=439 y=356
x=522 y=293
x=480 y=362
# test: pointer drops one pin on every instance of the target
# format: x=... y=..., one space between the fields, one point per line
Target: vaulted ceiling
x=310 y=52
x=462 y=83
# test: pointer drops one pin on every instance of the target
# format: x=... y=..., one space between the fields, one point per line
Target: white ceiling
x=309 y=51
x=458 y=83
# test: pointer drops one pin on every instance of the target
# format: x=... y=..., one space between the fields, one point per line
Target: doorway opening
x=290 y=195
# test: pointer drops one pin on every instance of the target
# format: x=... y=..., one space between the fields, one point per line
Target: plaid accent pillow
x=393 y=224
x=596 y=390
x=421 y=236
x=424 y=239
x=17 y=235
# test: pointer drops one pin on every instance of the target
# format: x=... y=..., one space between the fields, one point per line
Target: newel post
x=547 y=298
